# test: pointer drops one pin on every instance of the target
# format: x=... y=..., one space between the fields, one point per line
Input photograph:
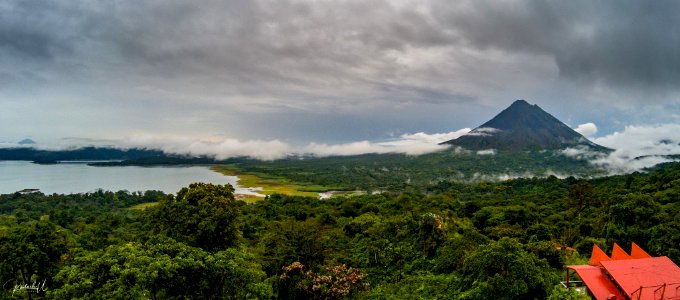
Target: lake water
x=68 y=178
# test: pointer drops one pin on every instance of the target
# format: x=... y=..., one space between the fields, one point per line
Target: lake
x=78 y=177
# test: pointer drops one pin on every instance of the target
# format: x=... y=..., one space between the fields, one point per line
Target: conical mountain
x=523 y=126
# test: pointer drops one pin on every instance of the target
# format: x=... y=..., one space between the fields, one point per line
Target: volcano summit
x=521 y=127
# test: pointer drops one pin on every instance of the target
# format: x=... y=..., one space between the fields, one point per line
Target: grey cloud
x=638 y=45
x=510 y=25
x=21 y=78
x=22 y=43
x=310 y=43
x=424 y=94
x=618 y=43
x=274 y=45
x=326 y=71
x=39 y=30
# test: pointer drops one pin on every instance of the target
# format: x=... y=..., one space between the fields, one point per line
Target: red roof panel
x=645 y=278
x=637 y=276
x=597 y=256
x=619 y=253
x=637 y=252
x=597 y=282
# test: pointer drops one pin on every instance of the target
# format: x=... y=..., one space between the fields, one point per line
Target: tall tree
x=162 y=268
x=31 y=252
x=504 y=270
x=203 y=215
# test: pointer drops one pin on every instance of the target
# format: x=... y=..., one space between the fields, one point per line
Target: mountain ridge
x=523 y=126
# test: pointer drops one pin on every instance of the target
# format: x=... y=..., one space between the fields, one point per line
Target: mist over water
x=66 y=178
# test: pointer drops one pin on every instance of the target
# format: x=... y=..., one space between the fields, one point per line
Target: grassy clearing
x=269 y=184
x=143 y=206
x=248 y=198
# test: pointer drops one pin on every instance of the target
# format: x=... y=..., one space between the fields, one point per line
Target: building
x=627 y=276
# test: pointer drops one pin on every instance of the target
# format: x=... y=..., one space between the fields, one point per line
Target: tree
x=332 y=282
x=162 y=268
x=665 y=240
x=289 y=241
x=580 y=196
x=504 y=270
x=203 y=215
x=31 y=252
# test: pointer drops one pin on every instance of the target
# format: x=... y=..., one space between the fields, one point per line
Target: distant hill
x=27 y=142
x=87 y=153
x=523 y=126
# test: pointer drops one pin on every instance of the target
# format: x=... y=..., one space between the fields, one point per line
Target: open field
x=270 y=184
x=143 y=206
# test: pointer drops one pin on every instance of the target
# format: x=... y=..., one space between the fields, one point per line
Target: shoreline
x=267 y=185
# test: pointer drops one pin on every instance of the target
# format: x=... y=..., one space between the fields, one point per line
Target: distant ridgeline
x=87 y=153
x=523 y=126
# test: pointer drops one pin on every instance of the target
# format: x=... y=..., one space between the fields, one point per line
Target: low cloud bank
x=215 y=147
x=476 y=177
x=411 y=144
x=220 y=148
x=223 y=148
x=636 y=148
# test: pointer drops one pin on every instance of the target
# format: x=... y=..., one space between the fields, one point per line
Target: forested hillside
x=398 y=172
x=487 y=240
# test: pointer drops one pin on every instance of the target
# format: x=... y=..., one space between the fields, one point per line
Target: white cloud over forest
x=635 y=148
x=222 y=148
x=487 y=152
x=411 y=144
x=217 y=147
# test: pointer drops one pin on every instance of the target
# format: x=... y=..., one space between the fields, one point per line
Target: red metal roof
x=646 y=278
x=597 y=282
x=619 y=253
x=637 y=252
x=597 y=256
x=634 y=276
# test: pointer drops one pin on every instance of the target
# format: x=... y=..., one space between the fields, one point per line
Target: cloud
x=411 y=144
x=487 y=152
x=582 y=152
x=220 y=147
x=294 y=69
x=483 y=131
x=216 y=146
x=636 y=148
x=617 y=43
x=476 y=177
x=587 y=129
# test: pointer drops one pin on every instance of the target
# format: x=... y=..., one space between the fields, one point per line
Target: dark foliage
x=451 y=240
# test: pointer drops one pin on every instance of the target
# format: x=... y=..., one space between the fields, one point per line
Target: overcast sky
x=321 y=74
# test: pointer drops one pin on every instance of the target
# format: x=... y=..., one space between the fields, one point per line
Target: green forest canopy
x=450 y=240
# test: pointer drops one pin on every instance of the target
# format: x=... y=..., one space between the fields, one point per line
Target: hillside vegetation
x=501 y=240
x=396 y=172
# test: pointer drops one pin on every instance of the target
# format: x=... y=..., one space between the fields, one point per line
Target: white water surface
x=71 y=177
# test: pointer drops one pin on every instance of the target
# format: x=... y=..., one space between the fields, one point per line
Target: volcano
x=522 y=127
